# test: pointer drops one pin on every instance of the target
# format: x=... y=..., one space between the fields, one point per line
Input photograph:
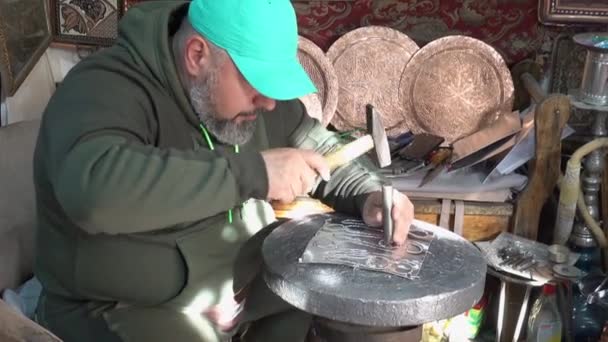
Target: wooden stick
x=550 y=118
x=536 y=92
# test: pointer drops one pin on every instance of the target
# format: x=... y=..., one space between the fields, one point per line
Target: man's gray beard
x=226 y=131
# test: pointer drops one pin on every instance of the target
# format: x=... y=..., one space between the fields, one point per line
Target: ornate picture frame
x=25 y=35
x=573 y=12
x=86 y=22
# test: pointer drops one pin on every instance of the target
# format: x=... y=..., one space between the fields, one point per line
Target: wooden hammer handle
x=349 y=152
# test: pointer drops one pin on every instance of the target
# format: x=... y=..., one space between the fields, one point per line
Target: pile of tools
x=516 y=258
x=418 y=153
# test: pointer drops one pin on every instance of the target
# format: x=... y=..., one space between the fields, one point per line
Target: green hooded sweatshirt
x=132 y=203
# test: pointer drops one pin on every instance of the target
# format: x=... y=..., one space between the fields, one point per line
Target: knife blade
x=439 y=161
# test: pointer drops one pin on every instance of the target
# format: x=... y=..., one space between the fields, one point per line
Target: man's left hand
x=403 y=214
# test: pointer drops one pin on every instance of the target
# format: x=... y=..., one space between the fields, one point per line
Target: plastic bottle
x=587 y=319
x=544 y=323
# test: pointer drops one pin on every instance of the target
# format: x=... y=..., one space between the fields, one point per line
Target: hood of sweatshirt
x=145 y=32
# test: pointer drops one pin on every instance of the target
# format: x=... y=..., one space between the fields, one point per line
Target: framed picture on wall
x=573 y=12
x=85 y=22
x=24 y=36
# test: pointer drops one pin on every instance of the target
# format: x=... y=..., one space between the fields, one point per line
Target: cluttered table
x=445 y=111
x=444 y=125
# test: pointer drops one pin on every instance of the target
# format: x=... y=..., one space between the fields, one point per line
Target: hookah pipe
x=592 y=91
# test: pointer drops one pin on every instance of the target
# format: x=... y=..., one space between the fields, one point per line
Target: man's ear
x=197 y=55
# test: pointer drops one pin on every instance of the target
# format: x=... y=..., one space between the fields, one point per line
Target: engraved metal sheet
x=369 y=62
x=451 y=280
x=322 y=73
x=454 y=86
x=353 y=243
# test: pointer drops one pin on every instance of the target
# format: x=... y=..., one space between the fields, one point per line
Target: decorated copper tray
x=454 y=86
x=313 y=106
x=369 y=62
x=323 y=75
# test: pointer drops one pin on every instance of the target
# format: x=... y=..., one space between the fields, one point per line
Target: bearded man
x=155 y=163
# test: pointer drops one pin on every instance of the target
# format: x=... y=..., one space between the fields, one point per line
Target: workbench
x=352 y=304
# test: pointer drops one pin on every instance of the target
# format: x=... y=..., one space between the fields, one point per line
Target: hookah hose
x=571 y=197
x=595 y=228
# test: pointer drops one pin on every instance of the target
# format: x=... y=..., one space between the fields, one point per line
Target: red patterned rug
x=510 y=26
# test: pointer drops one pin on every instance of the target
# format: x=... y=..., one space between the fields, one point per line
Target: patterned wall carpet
x=509 y=25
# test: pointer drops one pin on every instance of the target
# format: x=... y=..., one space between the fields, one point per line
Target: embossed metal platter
x=369 y=62
x=322 y=73
x=451 y=280
x=454 y=86
x=313 y=106
x=351 y=242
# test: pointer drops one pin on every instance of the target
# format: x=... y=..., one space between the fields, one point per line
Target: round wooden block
x=322 y=73
x=369 y=62
x=450 y=281
x=454 y=86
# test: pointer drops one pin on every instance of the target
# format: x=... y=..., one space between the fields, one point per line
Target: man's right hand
x=292 y=172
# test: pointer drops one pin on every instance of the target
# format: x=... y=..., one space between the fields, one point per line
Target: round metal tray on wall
x=322 y=104
x=454 y=86
x=369 y=62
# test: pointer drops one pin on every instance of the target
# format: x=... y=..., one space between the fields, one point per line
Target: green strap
x=206 y=136
x=210 y=144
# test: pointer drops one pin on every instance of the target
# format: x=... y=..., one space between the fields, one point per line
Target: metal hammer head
x=376 y=130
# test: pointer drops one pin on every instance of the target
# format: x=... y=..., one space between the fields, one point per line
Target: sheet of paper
x=468 y=180
x=524 y=148
x=478 y=146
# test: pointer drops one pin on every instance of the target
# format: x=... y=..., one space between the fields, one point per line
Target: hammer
x=375 y=139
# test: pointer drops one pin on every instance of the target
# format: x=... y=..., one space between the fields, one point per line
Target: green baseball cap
x=261 y=37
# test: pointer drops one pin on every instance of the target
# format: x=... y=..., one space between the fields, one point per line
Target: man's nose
x=261 y=101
